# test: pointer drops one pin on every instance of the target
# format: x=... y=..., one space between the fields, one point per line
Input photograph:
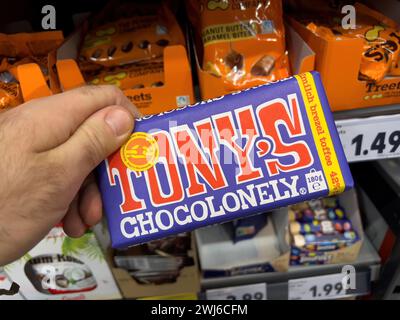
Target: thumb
x=98 y=137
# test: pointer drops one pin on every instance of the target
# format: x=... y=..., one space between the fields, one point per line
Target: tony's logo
x=262 y=137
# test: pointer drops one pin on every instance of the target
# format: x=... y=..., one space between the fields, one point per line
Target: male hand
x=48 y=149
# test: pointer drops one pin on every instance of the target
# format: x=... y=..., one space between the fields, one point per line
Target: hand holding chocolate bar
x=49 y=147
x=223 y=159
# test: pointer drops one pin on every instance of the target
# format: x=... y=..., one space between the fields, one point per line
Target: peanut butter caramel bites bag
x=243 y=42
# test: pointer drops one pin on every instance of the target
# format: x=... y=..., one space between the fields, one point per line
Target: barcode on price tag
x=256 y=291
x=370 y=138
x=318 y=288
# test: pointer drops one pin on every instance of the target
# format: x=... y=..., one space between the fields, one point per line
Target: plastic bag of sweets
x=132 y=39
x=133 y=76
x=223 y=159
x=243 y=41
x=18 y=49
x=381 y=40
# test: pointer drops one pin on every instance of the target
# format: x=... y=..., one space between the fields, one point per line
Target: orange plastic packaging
x=381 y=40
x=19 y=49
x=10 y=95
x=130 y=40
x=134 y=76
x=243 y=41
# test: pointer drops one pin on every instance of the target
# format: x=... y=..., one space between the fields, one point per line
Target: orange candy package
x=243 y=42
x=134 y=76
x=10 y=95
x=381 y=40
x=130 y=40
x=21 y=48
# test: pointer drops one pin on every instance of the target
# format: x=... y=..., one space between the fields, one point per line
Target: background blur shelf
x=367 y=267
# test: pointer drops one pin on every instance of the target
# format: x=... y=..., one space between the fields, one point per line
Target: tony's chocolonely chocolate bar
x=222 y=159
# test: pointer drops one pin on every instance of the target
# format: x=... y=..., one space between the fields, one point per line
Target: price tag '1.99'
x=248 y=292
x=370 y=138
x=317 y=288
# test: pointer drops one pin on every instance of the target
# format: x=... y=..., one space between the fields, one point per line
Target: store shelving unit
x=367 y=270
x=391 y=109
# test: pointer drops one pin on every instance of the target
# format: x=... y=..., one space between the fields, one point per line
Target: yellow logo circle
x=140 y=152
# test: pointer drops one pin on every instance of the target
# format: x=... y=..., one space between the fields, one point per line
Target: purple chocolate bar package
x=222 y=159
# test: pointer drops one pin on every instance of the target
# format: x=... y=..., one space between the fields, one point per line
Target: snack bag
x=381 y=41
x=22 y=48
x=131 y=39
x=133 y=76
x=243 y=41
x=21 y=45
x=10 y=95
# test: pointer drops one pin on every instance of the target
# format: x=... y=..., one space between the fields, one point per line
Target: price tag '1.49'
x=370 y=138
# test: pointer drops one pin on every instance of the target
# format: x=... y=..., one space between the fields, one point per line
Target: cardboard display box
x=267 y=251
x=301 y=59
x=186 y=286
x=177 y=90
x=338 y=62
x=348 y=201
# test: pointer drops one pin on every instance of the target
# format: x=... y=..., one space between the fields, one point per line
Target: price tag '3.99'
x=370 y=138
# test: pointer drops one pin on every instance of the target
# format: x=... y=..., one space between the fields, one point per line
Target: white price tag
x=248 y=292
x=370 y=138
x=317 y=288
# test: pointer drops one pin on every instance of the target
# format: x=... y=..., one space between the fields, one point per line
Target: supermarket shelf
x=367 y=267
x=367 y=112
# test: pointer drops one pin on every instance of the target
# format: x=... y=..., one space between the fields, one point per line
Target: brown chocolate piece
x=127 y=46
x=162 y=42
x=144 y=44
x=111 y=50
x=263 y=67
x=234 y=59
x=158 y=84
x=97 y=54
x=138 y=86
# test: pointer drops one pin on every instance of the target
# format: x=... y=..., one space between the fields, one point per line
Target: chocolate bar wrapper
x=222 y=159
x=299 y=257
x=308 y=215
x=324 y=226
x=325 y=242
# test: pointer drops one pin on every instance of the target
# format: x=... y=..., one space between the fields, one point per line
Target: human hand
x=48 y=149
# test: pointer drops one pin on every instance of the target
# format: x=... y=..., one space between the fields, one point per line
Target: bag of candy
x=242 y=42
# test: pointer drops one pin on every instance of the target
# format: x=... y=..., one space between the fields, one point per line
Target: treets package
x=380 y=38
x=137 y=46
x=359 y=65
x=132 y=39
x=241 y=42
x=222 y=159
x=133 y=76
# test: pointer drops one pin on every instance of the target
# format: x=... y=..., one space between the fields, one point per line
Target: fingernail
x=119 y=121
